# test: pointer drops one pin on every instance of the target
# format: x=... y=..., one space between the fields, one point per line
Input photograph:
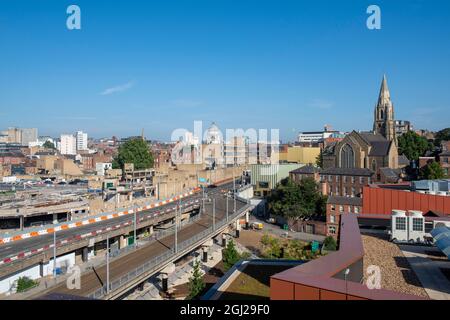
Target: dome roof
x=213 y=134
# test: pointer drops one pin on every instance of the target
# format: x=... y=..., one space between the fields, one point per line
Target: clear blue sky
x=160 y=65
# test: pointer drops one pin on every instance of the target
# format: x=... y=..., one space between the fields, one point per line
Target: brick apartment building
x=305 y=172
x=344 y=187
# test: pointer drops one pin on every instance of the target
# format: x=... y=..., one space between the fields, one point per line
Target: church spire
x=384 y=113
x=385 y=95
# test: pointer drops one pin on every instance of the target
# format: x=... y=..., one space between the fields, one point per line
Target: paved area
x=277 y=230
x=428 y=271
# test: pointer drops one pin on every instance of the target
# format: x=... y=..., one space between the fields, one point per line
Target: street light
x=227 y=205
x=214 y=214
x=347 y=271
x=134 y=231
x=107 y=264
x=54 y=254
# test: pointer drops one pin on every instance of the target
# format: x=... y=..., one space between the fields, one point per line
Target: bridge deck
x=95 y=279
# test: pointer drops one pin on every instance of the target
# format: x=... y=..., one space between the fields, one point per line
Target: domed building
x=213 y=147
x=213 y=135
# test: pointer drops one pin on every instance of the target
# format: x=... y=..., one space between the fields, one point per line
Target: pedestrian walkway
x=428 y=271
x=180 y=276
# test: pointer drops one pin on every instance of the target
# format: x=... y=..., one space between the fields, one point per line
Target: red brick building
x=305 y=172
x=345 y=182
x=11 y=158
x=444 y=161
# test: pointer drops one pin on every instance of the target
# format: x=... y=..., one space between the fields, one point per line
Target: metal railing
x=159 y=261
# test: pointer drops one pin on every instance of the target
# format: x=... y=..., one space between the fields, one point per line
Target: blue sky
x=160 y=65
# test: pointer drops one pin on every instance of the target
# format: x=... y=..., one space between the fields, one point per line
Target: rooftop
x=348 y=172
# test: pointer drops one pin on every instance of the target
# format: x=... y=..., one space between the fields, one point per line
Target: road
x=277 y=230
x=95 y=279
x=17 y=247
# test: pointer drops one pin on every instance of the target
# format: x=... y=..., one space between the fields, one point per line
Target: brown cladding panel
x=409 y=201
x=355 y=298
x=402 y=200
x=446 y=204
x=440 y=203
x=387 y=201
x=416 y=197
x=331 y=295
x=424 y=203
x=379 y=201
x=281 y=290
x=306 y=293
x=395 y=201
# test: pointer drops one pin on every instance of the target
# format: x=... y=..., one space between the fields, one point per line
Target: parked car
x=271 y=220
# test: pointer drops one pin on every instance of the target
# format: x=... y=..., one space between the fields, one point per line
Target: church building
x=375 y=150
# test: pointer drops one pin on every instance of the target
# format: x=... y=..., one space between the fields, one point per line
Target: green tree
x=413 y=146
x=25 y=283
x=329 y=244
x=297 y=200
x=319 y=159
x=134 y=151
x=442 y=135
x=432 y=171
x=196 y=282
x=48 y=145
x=230 y=256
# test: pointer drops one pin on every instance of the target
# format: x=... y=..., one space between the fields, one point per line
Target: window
x=332 y=219
x=347 y=157
x=333 y=207
x=345 y=191
x=356 y=209
x=331 y=229
x=341 y=209
x=353 y=192
x=400 y=223
x=353 y=179
x=330 y=178
x=417 y=224
x=345 y=179
x=337 y=190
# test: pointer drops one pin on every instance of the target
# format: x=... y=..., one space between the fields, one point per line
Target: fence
x=159 y=261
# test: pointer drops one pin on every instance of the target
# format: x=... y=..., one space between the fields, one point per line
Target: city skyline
x=298 y=68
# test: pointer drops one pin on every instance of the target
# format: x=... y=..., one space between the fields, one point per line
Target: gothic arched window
x=381 y=114
x=347 y=157
x=374 y=165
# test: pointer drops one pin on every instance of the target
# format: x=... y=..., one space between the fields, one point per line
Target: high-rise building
x=82 y=140
x=28 y=135
x=68 y=144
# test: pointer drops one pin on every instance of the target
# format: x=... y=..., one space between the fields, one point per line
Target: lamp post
x=54 y=255
x=176 y=225
x=347 y=271
x=214 y=214
x=107 y=264
x=134 y=227
x=227 y=206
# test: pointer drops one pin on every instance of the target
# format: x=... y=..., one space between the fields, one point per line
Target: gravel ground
x=396 y=274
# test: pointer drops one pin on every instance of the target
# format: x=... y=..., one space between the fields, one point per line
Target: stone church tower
x=384 y=123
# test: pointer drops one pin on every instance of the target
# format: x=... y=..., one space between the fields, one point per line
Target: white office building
x=68 y=144
x=82 y=140
x=29 y=135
